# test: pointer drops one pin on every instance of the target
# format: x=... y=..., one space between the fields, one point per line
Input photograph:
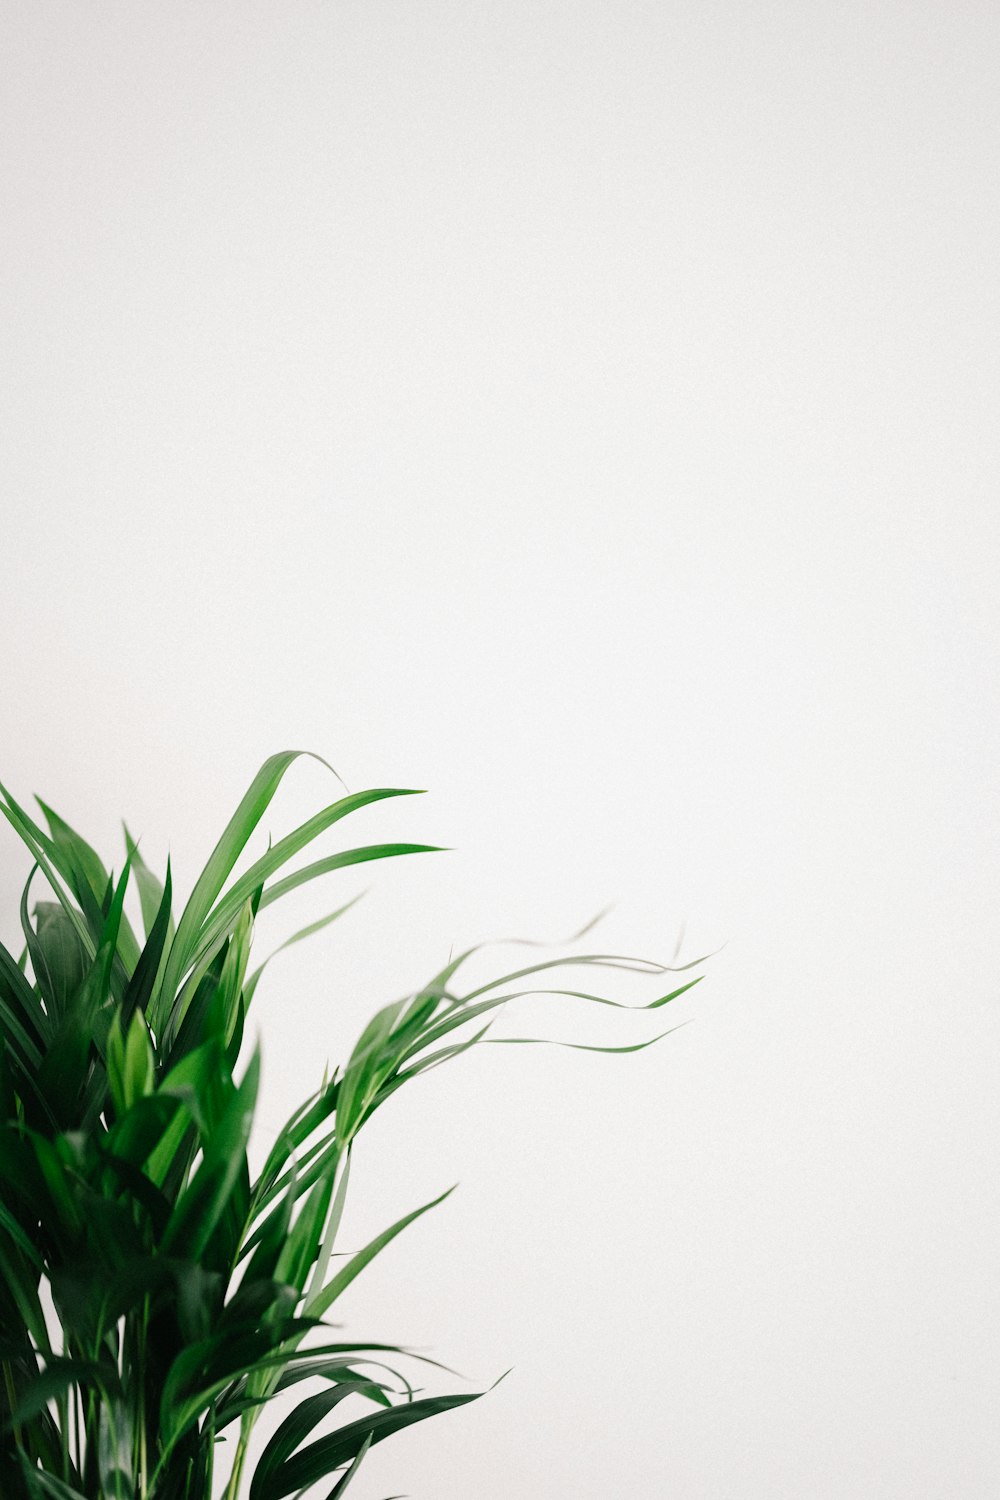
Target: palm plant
x=154 y=1297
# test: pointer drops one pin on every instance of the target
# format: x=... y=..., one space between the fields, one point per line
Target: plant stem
x=141 y=1400
x=233 y=1487
x=12 y=1398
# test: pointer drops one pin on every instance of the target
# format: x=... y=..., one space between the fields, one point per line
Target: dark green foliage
x=154 y=1298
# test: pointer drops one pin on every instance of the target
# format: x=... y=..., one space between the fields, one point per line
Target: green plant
x=153 y=1297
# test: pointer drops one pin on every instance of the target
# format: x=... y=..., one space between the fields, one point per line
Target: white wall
x=587 y=412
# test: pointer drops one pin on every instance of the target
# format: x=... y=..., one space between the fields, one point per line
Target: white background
x=587 y=412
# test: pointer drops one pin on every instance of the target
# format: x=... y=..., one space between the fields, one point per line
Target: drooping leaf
x=57 y=1376
x=542 y=1041
x=353 y=1468
x=297 y=1426
x=124 y=1179
x=328 y=1453
x=44 y=1486
x=45 y=855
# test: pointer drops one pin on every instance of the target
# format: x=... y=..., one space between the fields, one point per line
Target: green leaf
x=66 y=1069
x=254 y=1388
x=432 y=1060
x=541 y=1041
x=62 y=1204
x=22 y=1286
x=125 y=1189
x=332 y=1229
x=151 y=890
x=200 y=1296
x=296 y=937
x=135 y=1134
x=271 y=1237
x=227 y=851
x=366 y=1069
x=23 y=1241
x=331 y=1369
x=202 y=1088
x=346 y=1478
x=57 y=1377
x=464 y=1012
x=284 y=850
x=129 y=1061
x=23 y=1020
x=76 y=852
x=329 y=1453
x=600 y=960
x=202 y=1203
x=341 y=861
x=322 y=1300
x=140 y=986
x=87 y=869
x=114 y=1450
x=234 y=970
x=303 y=1241
x=44 y=853
x=296 y=1130
x=315 y=1163
x=237 y=1401
x=197 y=1015
x=296 y=1427
x=47 y=1486
x=58 y=957
x=200 y=1372
x=44 y=982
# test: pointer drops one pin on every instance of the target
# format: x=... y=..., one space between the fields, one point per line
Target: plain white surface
x=586 y=412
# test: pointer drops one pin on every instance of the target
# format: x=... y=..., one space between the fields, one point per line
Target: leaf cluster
x=154 y=1296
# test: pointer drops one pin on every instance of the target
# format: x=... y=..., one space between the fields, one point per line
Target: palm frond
x=183 y=1294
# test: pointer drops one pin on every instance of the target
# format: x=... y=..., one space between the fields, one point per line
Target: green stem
x=12 y=1398
x=211 y=1455
x=139 y=1376
x=63 y=1406
x=233 y=1487
x=78 y=1439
